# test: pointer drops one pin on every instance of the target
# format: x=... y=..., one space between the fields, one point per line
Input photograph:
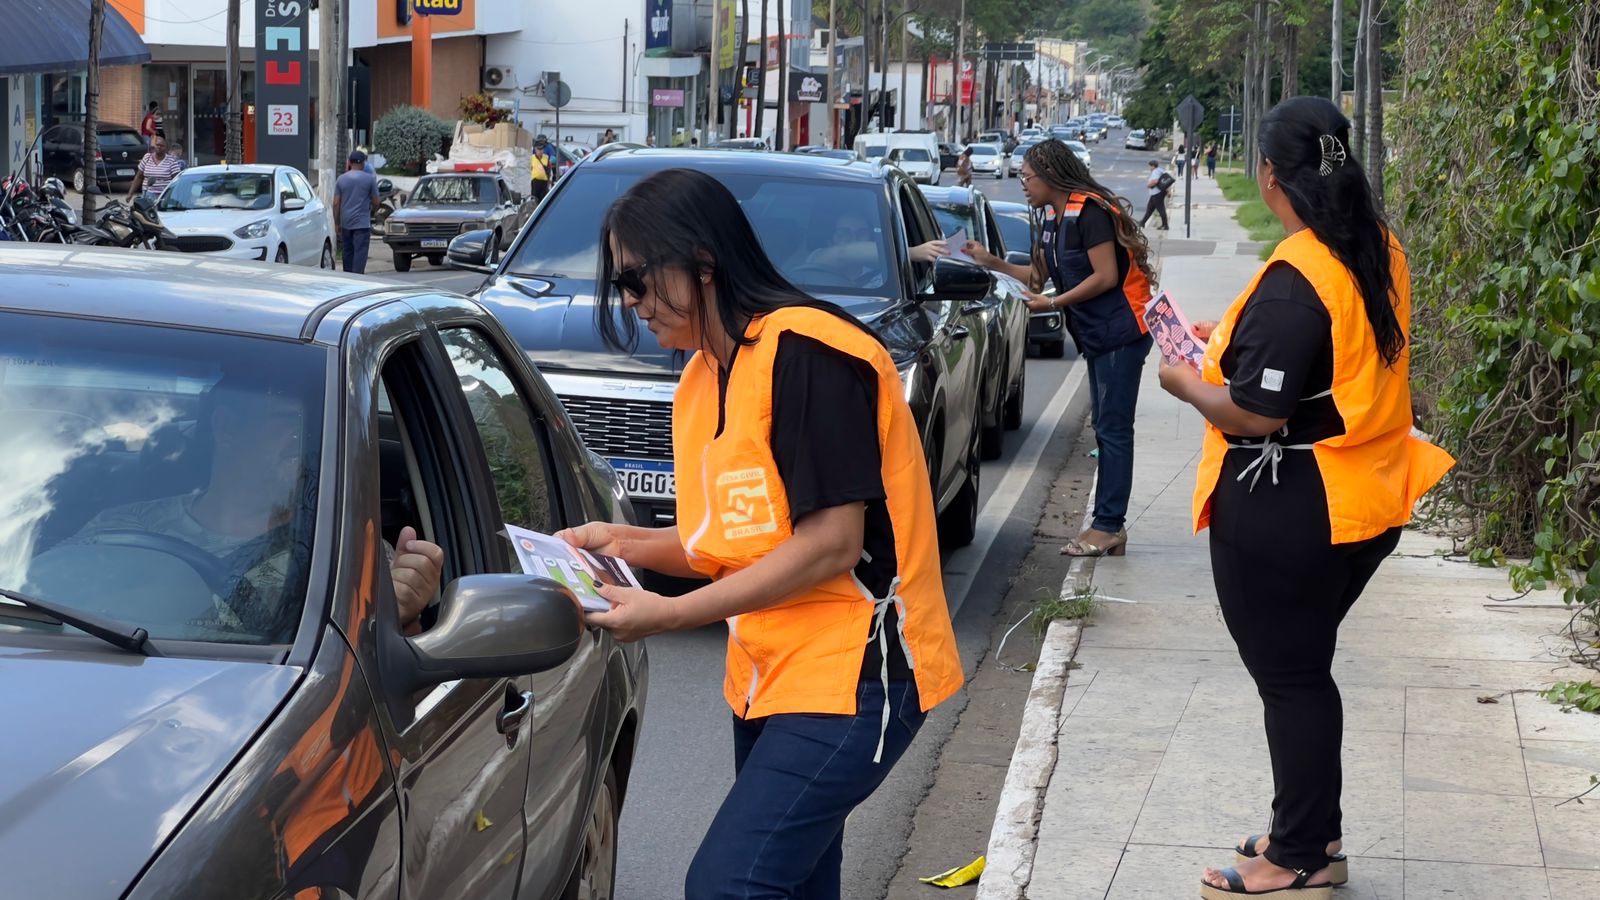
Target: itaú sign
x=437 y=7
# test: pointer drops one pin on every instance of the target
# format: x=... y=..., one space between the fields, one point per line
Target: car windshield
x=1015 y=230
x=874 y=151
x=914 y=154
x=825 y=236
x=218 y=190
x=983 y=150
x=160 y=477
x=953 y=217
x=120 y=140
x=450 y=189
x=1077 y=147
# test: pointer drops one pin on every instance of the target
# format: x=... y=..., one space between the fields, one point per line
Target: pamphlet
x=957 y=243
x=1173 y=333
x=544 y=556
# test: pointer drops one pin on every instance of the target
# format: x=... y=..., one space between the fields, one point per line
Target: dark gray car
x=208 y=465
x=445 y=205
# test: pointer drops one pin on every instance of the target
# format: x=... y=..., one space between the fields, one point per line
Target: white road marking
x=964 y=564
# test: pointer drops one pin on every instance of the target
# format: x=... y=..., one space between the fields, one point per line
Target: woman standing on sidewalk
x=1308 y=471
x=1095 y=254
x=803 y=495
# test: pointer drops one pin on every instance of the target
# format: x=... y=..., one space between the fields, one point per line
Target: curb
x=1014 y=840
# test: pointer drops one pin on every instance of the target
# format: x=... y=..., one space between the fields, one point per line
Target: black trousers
x=1284 y=587
x=1157 y=204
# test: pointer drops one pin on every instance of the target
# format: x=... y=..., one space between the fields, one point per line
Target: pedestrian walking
x=1099 y=262
x=1179 y=157
x=152 y=126
x=355 y=196
x=964 y=168
x=802 y=495
x=543 y=164
x=1211 y=160
x=1159 y=183
x=155 y=171
x=608 y=137
x=1307 y=473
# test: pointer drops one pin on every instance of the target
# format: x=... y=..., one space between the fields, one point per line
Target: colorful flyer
x=1173 y=334
x=544 y=556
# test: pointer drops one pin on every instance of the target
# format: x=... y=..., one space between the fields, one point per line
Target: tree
x=761 y=69
x=91 y=109
x=233 y=148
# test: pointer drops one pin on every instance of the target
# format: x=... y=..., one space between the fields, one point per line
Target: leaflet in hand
x=1173 y=334
x=544 y=556
x=957 y=243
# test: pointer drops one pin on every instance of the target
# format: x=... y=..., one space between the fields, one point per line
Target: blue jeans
x=780 y=831
x=1113 y=395
x=353 y=244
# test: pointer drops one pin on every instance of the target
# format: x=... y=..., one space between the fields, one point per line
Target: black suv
x=930 y=316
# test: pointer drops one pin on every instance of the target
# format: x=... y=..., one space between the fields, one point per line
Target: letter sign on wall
x=437 y=7
x=283 y=83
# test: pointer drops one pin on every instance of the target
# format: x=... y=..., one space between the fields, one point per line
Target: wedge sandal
x=1298 y=890
x=1338 y=863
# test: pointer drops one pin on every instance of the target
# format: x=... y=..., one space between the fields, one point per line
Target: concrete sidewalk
x=1454 y=785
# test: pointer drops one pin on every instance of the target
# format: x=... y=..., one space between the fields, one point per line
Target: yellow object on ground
x=966 y=874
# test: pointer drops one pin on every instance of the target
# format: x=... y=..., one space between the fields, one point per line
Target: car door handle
x=512 y=715
x=960 y=332
x=973 y=309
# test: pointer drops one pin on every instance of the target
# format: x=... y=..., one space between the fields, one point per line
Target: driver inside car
x=855 y=247
x=241 y=516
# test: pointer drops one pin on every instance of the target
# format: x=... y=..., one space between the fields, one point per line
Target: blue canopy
x=53 y=36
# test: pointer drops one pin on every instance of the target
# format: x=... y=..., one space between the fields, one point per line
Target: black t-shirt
x=825 y=443
x=1280 y=354
x=1092 y=227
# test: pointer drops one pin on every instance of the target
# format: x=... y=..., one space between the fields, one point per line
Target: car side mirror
x=491 y=626
x=290 y=204
x=959 y=281
x=470 y=251
x=1019 y=258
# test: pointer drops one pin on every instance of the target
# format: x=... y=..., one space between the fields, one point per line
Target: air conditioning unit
x=498 y=78
x=821 y=38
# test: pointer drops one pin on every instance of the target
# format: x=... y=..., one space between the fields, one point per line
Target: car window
x=918 y=231
x=984 y=150
x=991 y=229
x=914 y=154
x=827 y=237
x=121 y=140
x=505 y=191
x=449 y=189
x=302 y=188
x=510 y=435
x=162 y=477
x=285 y=186
x=218 y=190
x=1015 y=231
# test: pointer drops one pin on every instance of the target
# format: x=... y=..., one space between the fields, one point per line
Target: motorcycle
x=135 y=226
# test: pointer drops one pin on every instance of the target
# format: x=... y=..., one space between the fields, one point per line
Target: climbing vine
x=1496 y=189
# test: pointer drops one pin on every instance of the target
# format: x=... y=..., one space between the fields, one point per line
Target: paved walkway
x=1162 y=758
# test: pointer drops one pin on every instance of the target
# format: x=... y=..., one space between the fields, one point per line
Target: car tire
x=283 y=255
x=494 y=248
x=79 y=179
x=991 y=438
x=1053 y=349
x=435 y=259
x=595 y=878
x=326 y=262
x=402 y=262
x=958 y=526
x=1013 y=410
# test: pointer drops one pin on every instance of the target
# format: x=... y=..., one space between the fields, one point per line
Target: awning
x=53 y=36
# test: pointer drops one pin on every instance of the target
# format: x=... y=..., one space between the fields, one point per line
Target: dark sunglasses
x=631 y=280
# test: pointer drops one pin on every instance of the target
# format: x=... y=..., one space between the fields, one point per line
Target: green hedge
x=409 y=136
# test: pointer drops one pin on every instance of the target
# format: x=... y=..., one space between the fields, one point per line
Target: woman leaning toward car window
x=803 y=496
x=1307 y=472
x=1096 y=256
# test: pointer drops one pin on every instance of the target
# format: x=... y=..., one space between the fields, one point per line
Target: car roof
x=248 y=169
x=176 y=289
x=1008 y=208
x=653 y=159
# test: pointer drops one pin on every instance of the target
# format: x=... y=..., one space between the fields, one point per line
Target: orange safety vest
x=1115 y=318
x=804 y=654
x=1376 y=471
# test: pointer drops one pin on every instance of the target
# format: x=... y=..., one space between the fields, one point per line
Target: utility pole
x=91 y=110
x=1374 y=138
x=883 y=65
x=1358 y=128
x=1336 y=74
x=761 y=67
x=961 y=60
x=782 y=133
x=713 y=95
x=833 y=50
x=328 y=78
x=233 y=144
x=905 y=101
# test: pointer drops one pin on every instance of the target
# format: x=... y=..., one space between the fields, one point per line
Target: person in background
x=1099 y=262
x=1158 y=196
x=177 y=153
x=151 y=127
x=964 y=168
x=355 y=196
x=609 y=136
x=1180 y=157
x=155 y=171
x=650 y=139
x=543 y=165
x=801 y=494
x=1211 y=160
x=1308 y=471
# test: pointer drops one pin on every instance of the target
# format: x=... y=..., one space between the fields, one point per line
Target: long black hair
x=687 y=220
x=1060 y=168
x=1307 y=140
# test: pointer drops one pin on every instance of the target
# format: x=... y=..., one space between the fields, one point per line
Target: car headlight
x=253 y=231
x=396 y=227
x=471 y=226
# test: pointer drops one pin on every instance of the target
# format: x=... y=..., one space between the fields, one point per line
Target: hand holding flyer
x=1173 y=334
x=544 y=556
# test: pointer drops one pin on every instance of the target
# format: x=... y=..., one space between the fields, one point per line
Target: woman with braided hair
x=1089 y=246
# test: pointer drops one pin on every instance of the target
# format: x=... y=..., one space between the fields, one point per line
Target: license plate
x=650 y=479
x=435 y=244
x=124 y=173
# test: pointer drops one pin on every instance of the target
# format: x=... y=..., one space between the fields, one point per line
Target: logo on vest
x=746 y=508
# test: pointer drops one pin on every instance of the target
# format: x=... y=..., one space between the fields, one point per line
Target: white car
x=916 y=162
x=1082 y=152
x=988 y=159
x=248 y=212
x=1117 y=122
x=1020 y=152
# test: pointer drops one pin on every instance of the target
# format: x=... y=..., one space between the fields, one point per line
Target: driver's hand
x=417 y=568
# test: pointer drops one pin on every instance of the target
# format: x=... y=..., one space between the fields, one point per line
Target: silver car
x=988 y=159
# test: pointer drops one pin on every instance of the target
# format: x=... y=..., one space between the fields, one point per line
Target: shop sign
x=658 y=28
x=805 y=87
x=283 y=87
x=437 y=7
x=666 y=97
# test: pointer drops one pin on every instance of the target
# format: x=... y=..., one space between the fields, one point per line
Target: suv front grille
x=616 y=427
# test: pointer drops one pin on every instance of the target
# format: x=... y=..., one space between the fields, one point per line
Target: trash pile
x=506 y=148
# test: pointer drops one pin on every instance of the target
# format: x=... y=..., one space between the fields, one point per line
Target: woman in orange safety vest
x=1308 y=471
x=802 y=494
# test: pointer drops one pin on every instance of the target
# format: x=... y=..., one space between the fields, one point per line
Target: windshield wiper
x=122 y=636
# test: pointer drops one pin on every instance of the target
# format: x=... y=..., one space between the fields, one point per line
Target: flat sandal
x=1297 y=890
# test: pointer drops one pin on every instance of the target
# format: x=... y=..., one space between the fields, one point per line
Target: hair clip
x=1332 y=152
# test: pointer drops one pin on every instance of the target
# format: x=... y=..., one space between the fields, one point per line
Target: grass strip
x=1252 y=214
